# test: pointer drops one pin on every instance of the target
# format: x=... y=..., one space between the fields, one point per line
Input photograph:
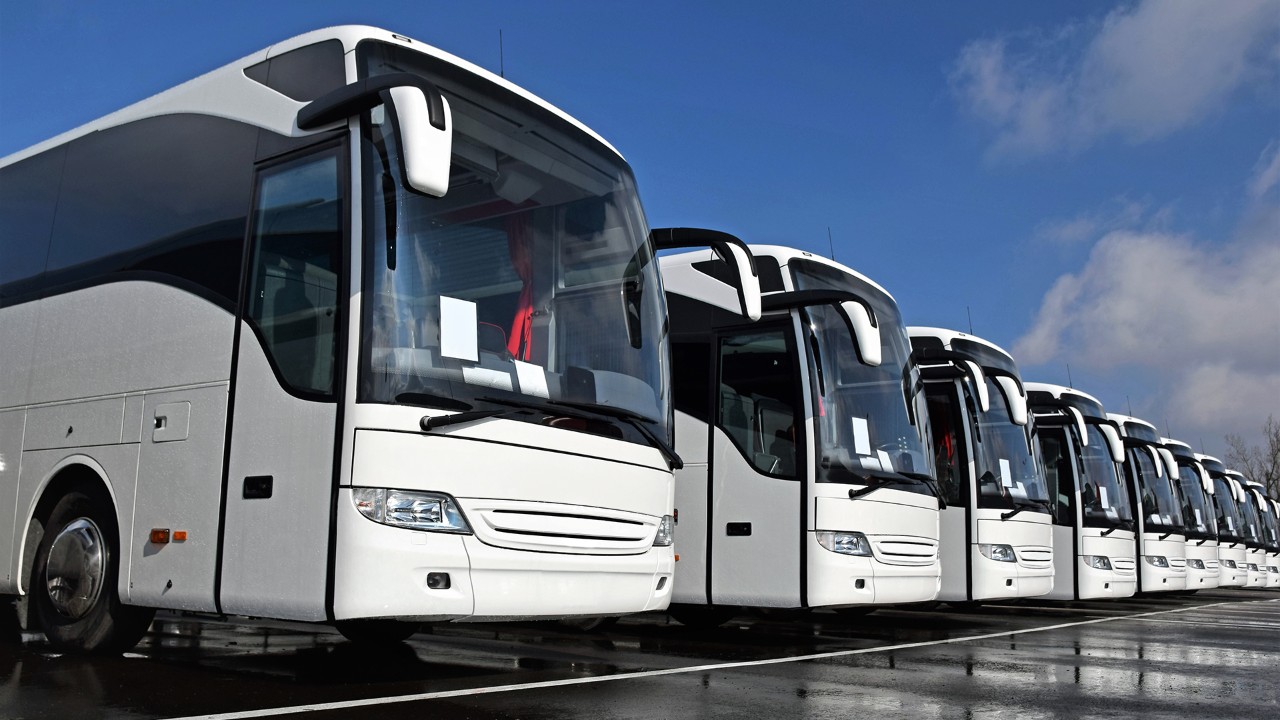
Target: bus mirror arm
x=419 y=113
x=730 y=248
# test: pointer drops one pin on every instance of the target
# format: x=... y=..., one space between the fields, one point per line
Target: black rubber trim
x=342 y=331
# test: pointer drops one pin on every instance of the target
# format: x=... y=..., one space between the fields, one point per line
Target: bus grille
x=905 y=550
x=1124 y=566
x=1034 y=556
x=552 y=527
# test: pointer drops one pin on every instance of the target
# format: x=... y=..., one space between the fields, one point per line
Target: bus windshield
x=1156 y=500
x=1228 y=513
x=1103 y=499
x=530 y=282
x=1008 y=467
x=1196 y=513
x=867 y=418
x=1252 y=525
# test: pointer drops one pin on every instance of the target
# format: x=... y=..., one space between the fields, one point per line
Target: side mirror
x=1170 y=463
x=1080 y=425
x=865 y=332
x=1114 y=442
x=730 y=248
x=1205 y=481
x=979 y=384
x=420 y=115
x=1155 y=458
x=1014 y=398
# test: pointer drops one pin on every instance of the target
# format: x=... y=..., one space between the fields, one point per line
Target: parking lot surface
x=1215 y=653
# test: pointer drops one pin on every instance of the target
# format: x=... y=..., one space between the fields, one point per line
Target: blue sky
x=1096 y=183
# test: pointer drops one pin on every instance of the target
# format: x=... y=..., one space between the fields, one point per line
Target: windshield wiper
x=1121 y=525
x=1020 y=505
x=431 y=422
x=879 y=479
x=593 y=411
x=634 y=419
x=931 y=484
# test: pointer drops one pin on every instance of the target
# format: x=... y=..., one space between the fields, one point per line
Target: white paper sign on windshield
x=1102 y=494
x=458 y=329
x=861 y=436
x=1006 y=476
x=1018 y=490
x=885 y=462
x=1198 y=520
x=533 y=380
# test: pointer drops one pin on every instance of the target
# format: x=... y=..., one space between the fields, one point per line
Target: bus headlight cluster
x=1228 y=563
x=1253 y=567
x=410 y=509
x=666 y=532
x=845 y=543
x=1195 y=564
x=1156 y=560
x=999 y=553
x=1097 y=562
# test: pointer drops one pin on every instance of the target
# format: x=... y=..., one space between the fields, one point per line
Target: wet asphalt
x=1212 y=654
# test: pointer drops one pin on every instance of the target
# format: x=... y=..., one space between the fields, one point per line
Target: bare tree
x=1261 y=464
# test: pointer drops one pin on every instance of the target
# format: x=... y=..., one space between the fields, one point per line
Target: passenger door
x=280 y=474
x=756 y=498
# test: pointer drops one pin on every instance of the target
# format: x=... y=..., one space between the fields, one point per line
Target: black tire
x=702 y=617
x=855 y=611
x=10 y=629
x=100 y=624
x=590 y=624
x=377 y=632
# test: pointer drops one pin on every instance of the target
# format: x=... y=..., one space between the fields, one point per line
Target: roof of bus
x=250 y=102
x=1123 y=420
x=946 y=336
x=781 y=253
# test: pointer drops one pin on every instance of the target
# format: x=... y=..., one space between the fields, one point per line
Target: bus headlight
x=1097 y=562
x=999 y=553
x=1156 y=560
x=1228 y=563
x=410 y=509
x=1195 y=564
x=1253 y=567
x=666 y=532
x=845 y=543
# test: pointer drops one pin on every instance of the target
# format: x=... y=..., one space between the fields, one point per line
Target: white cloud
x=1120 y=212
x=1267 y=172
x=1193 y=324
x=1143 y=72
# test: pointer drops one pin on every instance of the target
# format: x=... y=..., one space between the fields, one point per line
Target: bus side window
x=757 y=391
x=297 y=250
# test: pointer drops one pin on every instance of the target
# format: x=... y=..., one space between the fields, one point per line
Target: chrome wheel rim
x=76 y=568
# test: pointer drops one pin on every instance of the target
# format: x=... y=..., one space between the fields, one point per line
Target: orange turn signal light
x=677 y=557
x=160 y=536
x=179 y=535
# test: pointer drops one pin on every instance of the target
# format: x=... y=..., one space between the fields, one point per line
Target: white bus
x=1269 y=534
x=1093 y=529
x=349 y=331
x=807 y=482
x=997 y=526
x=1232 y=565
x=1156 y=495
x=1255 y=540
x=1199 y=519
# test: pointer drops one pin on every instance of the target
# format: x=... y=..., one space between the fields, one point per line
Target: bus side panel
x=11 y=427
x=952 y=552
x=691 y=504
x=280 y=489
x=183 y=434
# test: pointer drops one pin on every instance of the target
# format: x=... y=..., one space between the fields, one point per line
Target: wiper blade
x=432 y=422
x=931 y=484
x=877 y=480
x=1020 y=505
x=635 y=419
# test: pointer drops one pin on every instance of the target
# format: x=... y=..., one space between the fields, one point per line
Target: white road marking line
x=417 y=697
x=1240 y=625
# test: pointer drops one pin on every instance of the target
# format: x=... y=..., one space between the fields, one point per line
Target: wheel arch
x=76 y=472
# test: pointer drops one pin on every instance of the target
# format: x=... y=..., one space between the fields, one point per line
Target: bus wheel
x=377 y=632
x=590 y=624
x=702 y=617
x=74 y=581
x=856 y=611
x=10 y=629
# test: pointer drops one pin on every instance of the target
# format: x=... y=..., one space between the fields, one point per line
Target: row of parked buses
x=352 y=331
